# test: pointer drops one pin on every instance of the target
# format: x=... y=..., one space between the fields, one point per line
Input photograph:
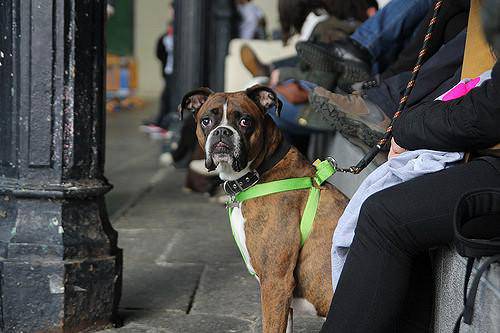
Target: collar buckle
x=233 y=187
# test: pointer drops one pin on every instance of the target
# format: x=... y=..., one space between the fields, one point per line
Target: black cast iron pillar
x=203 y=29
x=190 y=46
x=221 y=28
x=59 y=261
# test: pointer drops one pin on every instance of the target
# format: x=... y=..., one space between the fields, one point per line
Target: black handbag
x=477 y=235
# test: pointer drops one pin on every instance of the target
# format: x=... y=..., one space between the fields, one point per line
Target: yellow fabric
x=478 y=57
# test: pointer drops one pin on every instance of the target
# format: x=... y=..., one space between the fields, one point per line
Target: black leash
x=370 y=155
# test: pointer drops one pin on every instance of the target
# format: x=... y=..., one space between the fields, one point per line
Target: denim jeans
x=288 y=120
x=385 y=33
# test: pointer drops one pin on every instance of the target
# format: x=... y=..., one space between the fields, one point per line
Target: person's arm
x=161 y=52
x=467 y=123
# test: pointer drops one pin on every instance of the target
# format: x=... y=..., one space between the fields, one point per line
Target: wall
x=150 y=19
x=270 y=8
x=120 y=29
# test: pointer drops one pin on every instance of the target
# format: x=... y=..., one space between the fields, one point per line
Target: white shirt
x=309 y=24
x=168 y=42
x=250 y=17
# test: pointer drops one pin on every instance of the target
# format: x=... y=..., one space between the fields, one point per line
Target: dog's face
x=231 y=127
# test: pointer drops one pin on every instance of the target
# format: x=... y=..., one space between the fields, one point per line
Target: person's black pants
x=188 y=141
x=292 y=61
x=396 y=226
x=163 y=119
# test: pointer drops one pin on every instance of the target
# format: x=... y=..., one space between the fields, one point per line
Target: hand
x=395 y=149
x=274 y=78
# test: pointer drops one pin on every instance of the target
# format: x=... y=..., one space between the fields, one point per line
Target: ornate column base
x=60 y=266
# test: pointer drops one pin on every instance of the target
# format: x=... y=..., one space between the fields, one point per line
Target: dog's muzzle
x=222 y=132
x=224 y=145
x=222 y=141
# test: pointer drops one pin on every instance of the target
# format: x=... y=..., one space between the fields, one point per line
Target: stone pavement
x=182 y=270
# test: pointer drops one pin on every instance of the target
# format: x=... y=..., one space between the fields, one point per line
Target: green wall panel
x=120 y=29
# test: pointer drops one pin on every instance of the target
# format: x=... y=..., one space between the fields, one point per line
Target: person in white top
x=252 y=23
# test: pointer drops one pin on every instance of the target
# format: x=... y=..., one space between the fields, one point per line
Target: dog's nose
x=223 y=131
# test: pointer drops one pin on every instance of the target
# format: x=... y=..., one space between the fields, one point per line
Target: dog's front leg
x=289 y=325
x=276 y=297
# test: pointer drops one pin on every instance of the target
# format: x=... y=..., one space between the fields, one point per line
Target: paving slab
x=177 y=322
x=301 y=324
x=181 y=206
x=131 y=158
x=146 y=245
x=155 y=287
x=159 y=222
x=210 y=245
x=138 y=328
x=141 y=222
x=228 y=289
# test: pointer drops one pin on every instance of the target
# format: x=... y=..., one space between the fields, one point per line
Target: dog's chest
x=238 y=228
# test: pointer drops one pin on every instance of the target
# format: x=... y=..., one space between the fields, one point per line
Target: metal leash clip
x=333 y=162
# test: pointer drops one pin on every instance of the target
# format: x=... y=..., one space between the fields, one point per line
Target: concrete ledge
x=450 y=272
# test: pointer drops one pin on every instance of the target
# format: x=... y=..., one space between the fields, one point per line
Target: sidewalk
x=182 y=270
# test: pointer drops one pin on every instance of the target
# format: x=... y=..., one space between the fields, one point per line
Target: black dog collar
x=233 y=187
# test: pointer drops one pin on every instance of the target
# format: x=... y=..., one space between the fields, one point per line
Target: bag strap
x=470 y=298
x=468 y=272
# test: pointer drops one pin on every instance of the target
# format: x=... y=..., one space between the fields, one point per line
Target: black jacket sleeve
x=467 y=123
x=161 y=51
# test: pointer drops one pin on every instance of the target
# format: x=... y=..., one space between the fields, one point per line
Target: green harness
x=324 y=170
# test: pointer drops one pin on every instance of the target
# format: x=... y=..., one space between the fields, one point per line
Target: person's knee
x=373 y=214
x=377 y=216
x=378 y=222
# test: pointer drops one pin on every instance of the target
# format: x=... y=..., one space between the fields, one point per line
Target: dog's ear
x=265 y=98
x=194 y=100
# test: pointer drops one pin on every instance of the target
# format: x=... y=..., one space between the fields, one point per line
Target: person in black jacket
x=398 y=225
x=165 y=53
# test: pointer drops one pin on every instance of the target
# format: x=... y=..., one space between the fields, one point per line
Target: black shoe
x=351 y=84
x=343 y=56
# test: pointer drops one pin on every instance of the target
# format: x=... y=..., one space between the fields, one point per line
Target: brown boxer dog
x=239 y=137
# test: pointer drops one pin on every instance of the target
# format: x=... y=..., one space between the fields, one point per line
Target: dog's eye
x=245 y=122
x=206 y=122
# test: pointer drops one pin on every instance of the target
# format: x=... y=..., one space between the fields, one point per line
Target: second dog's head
x=233 y=128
